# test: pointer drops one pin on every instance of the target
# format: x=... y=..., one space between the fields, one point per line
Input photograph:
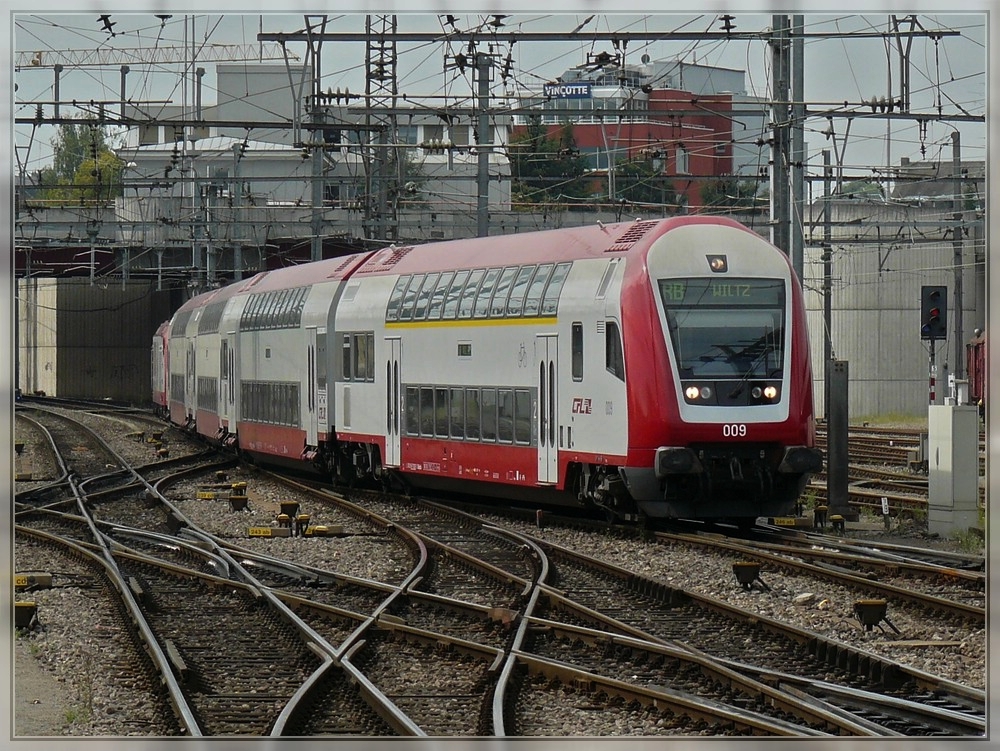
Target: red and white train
x=652 y=368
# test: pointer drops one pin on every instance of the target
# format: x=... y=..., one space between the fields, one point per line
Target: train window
x=270 y=302
x=410 y=297
x=505 y=415
x=426 y=411
x=609 y=273
x=209 y=321
x=287 y=317
x=246 y=318
x=281 y=308
x=456 y=411
x=412 y=410
x=437 y=299
x=726 y=327
x=485 y=293
x=362 y=358
x=299 y=305
x=346 y=359
x=489 y=414
x=533 y=300
x=467 y=304
x=577 y=345
x=614 y=358
x=441 y=412
x=273 y=298
x=321 y=361
x=392 y=309
x=472 y=414
x=550 y=302
x=522 y=417
x=256 y=303
x=420 y=311
x=454 y=293
x=499 y=306
x=515 y=304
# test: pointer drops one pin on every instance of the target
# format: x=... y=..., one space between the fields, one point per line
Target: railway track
x=655 y=612
x=866 y=575
x=462 y=627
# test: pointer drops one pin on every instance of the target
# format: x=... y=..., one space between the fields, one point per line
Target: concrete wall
x=88 y=341
x=881 y=256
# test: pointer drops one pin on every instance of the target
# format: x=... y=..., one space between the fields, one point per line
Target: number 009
x=737 y=430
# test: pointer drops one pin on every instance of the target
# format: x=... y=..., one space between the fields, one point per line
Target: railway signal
x=933 y=312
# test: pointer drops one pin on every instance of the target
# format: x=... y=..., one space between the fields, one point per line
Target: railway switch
x=25 y=614
x=747 y=573
x=871 y=613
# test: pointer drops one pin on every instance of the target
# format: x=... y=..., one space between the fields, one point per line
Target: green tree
x=639 y=181
x=547 y=169
x=863 y=189
x=730 y=194
x=100 y=179
x=83 y=165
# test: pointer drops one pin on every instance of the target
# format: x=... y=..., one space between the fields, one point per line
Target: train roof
x=554 y=245
x=302 y=275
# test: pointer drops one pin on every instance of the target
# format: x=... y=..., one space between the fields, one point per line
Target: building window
x=682 y=160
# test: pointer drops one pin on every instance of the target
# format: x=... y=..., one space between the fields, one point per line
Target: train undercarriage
x=705 y=482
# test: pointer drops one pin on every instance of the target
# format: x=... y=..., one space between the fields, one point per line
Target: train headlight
x=771 y=392
x=755 y=392
x=694 y=393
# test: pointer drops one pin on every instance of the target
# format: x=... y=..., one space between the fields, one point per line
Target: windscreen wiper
x=768 y=348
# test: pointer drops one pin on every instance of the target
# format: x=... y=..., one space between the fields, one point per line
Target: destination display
x=711 y=291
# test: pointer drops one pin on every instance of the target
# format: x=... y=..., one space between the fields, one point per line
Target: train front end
x=725 y=426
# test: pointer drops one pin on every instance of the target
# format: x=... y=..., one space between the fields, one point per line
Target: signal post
x=933 y=326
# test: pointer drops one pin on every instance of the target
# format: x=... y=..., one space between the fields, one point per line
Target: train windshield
x=726 y=328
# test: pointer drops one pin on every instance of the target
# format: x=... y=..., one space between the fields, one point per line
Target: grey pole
x=836 y=443
x=483 y=68
x=956 y=166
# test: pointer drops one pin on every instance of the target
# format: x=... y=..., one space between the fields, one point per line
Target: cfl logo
x=582 y=406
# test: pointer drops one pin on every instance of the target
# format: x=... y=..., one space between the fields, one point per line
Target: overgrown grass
x=891 y=418
x=969 y=541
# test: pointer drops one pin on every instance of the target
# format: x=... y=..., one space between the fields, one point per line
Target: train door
x=232 y=406
x=546 y=356
x=393 y=405
x=225 y=381
x=190 y=395
x=311 y=423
